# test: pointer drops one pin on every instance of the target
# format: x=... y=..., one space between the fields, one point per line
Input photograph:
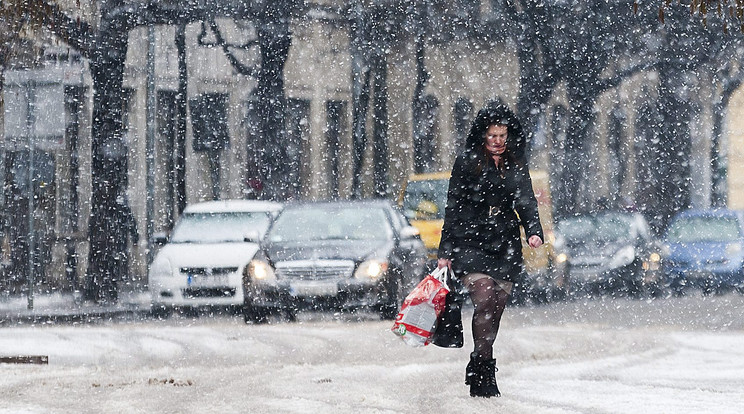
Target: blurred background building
x=424 y=68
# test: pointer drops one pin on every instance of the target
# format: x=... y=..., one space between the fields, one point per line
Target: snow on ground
x=677 y=355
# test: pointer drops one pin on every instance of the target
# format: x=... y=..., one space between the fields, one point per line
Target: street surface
x=676 y=355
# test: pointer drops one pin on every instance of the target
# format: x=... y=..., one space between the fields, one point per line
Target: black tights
x=489 y=301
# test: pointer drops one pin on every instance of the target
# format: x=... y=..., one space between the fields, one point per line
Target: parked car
x=203 y=262
x=336 y=255
x=424 y=198
x=705 y=249
x=610 y=252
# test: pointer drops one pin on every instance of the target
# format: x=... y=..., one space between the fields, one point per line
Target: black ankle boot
x=470 y=370
x=483 y=380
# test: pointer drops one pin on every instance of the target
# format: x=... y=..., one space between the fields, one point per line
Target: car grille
x=586 y=265
x=588 y=262
x=315 y=269
x=208 y=271
x=193 y=293
x=696 y=264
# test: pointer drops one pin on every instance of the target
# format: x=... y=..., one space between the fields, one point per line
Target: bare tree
x=105 y=45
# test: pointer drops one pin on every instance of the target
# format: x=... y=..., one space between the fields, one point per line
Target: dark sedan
x=336 y=255
x=610 y=251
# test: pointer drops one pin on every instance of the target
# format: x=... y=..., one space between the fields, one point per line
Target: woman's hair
x=495 y=112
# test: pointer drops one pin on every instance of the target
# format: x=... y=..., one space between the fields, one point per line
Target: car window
x=608 y=227
x=694 y=229
x=219 y=227
x=425 y=199
x=643 y=228
x=338 y=223
x=398 y=219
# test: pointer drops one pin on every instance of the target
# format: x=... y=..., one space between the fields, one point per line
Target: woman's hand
x=441 y=262
x=534 y=241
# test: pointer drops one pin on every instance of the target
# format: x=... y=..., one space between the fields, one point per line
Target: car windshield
x=425 y=199
x=318 y=223
x=695 y=229
x=604 y=228
x=219 y=227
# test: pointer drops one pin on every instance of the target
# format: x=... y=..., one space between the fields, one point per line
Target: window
x=298 y=133
x=167 y=127
x=209 y=123
x=336 y=124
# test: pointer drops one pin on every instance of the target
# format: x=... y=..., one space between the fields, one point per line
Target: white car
x=205 y=258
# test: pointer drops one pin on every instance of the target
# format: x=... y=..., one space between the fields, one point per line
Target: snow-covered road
x=677 y=355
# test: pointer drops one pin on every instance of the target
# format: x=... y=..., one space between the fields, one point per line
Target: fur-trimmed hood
x=497 y=112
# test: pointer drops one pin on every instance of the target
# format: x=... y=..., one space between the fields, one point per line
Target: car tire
x=389 y=310
x=633 y=279
x=255 y=315
x=161 y=312
x=290 y=314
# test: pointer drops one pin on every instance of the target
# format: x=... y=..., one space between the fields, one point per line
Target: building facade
x=221 y=130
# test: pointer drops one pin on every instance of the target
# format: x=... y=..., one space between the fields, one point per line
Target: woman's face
x=496 y=139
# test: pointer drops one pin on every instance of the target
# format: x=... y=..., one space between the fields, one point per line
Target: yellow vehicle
x=423 y=201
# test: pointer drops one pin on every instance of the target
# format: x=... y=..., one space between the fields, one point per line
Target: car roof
x=341 y=203
x=714 y=212
x=442 y=175
x=233 y=206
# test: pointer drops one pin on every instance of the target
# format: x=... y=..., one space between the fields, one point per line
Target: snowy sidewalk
x=67 y=307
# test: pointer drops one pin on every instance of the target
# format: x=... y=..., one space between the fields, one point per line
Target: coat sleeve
x=526 y=205
x=457 y=197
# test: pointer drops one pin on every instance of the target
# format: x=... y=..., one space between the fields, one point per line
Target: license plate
x=207 y=281
x=313 y=289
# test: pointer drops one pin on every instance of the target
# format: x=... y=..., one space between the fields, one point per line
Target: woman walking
x=490 y=195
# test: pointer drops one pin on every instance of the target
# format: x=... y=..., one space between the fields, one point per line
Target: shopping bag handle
x=441 y=275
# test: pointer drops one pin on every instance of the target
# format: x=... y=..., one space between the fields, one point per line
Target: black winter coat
x=485 y=208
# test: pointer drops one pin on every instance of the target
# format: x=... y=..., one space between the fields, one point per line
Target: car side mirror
x=252 y=237
x=409 y=232
x=159 y=239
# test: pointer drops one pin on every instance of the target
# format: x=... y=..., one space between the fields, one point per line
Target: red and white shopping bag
x=420 y=311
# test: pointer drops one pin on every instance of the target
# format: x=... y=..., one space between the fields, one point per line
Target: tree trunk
x=672 y=150
x=380 y=132
x=107 y=231
x=179 y=165
x=581 y=119
x=360 y=76
x=274 y=41
x=535 y=89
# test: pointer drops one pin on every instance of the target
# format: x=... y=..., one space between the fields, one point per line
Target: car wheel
x=709 y=287
x=633 y=276
x=255 y=315
x=394 y=287
x=290 y=314
x=161 y=312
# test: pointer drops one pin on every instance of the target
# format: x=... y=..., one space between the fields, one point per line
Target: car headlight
x=161 y=268
x=652 y=262
x=260 y=271
x=624 y=256
x=733 y=249
x=371 y=270
x=561 y=258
